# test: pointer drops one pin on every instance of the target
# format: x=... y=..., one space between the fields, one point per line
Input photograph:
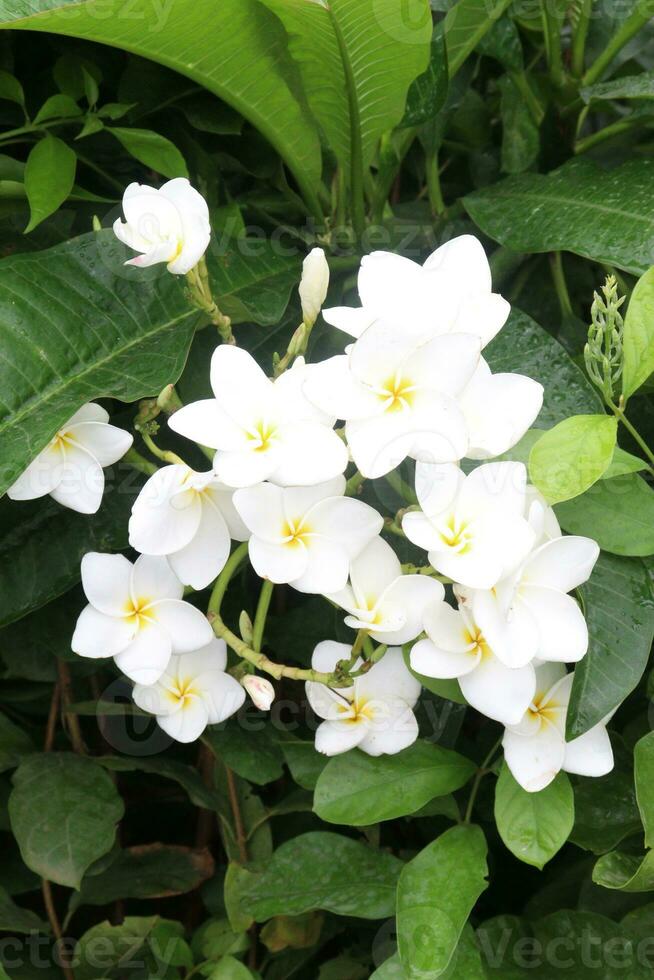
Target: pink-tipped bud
x=260 y=690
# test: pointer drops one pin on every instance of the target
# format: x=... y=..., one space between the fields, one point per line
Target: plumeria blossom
x=456 y=648
x=451 y=292
x=313 y=285
x=188 y=517
x=529 y=613
x=536 y=750
x=541 y=517
x=169 y=224
x=498 y=410
x=306 y=536
x=260 y=429
x=472 y=526
x=380 y=599
x=136 y=615
x=397 y=399
x=194 y=691
x=70 y=467
x=375 y=714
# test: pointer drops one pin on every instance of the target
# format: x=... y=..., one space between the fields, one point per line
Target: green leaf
x=620 y=615
x=606 y=216
x=148 y=871
x=14 y=744
x=622 y=463
x=520 y=136
x=15 y=919
x=49 y=178
x=644 y=777
x=618 y=513
x=325 y=871
x=75 y=324
x=358 y=789
x=502 y=42
x=187 y=777
x=465 y=25
x=428 y=92
x=572 y=456
x=151 y=149
x=524 y=347
x=63 y=809
x=625 y=872
x=121 y=946
x=236 y=49
x=10 y=88
x=357 y=59
x=628 y=87
x=229 y=969
x=638 y=338
x=605 y=807
x=58 y=107
x=252 y=281
x=304 y=762
x=253 y=754
x=435 y=895
x=534 y=826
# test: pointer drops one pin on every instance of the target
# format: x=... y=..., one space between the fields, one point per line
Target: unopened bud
x=260 y=690
x=245 y=627
x=313 y=285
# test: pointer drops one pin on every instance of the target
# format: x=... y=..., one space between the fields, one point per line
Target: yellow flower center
x=295 y=532
x=262 y=435
x=183 y=690
x=476 y=639
x=136 y=612
x=456 y=534
x=398 y=392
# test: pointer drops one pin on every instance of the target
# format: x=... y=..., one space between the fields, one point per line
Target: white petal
x=437 y=486
x=310 y=453
x=389 y=284
x=393 y=727
x=81 y=481
x=91 y=412
x=106 y=581
x=548 y=676
x=483 y=315
x=432 y=661
x=381 y=351
x=389 y=679
x=335 y=737
x=299 y=501
x=280 y=563
x=420 y=531
x=373 y=570
x=327 y=567
x=327 y=653
x=223 y=696
x=213 y=656
x=349 y=320
x=145 y=659
x=240 y=386
x=153 y=579
x=498 y=410
x=407 y=596
x=107 y=443
x=204 y=557
x=445 y=364
x=186 y=626
x=187 y=724
x=463 y=264
x=156 y=698
x=163 y=519
x=222 y=498
x=334 y=389
x=534 y=760
x=42 y=476
x=562 y=629
x=494 y=488
x=261 y=509
x=380 y=443
x=161 y=252
x=590 y=754
x=498 y=691
x=350 y=523
x=512 y=633
x=98 y=635
x=246 y=467
x=562 y=564
x=206 y=423
x=290 y=398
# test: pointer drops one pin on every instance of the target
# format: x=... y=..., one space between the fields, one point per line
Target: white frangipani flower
x=375 y=714
x=313 y=285
x=536 y=750
x=529 y=614
x=382 y=600
x=189 y=518
x=541 y=517
x=306 y=536
x=262 y=430
x=498 y=409
x=451 y=292
x=136 y=615
x=70 y=467
x=456 y=648
x=169 y=224
x=194 y=691
x=260 y=690
x=472 y=526
x=397 y=399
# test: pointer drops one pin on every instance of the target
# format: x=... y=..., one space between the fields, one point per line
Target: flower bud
x=245 y=627
x=313 y=285
x=260 y=690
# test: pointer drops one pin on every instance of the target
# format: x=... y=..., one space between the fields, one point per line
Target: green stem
x=163 y=454
x=261 y=615
x=618 y=411
x=140 y=463
x=622 y=36
x=401 y=487
x=232 y=565
x=353 y=484
x=481 y=772
x=434 y=190
x=561 y=286
x=552 y=30
x=521 y=82
x=356 y=144
x=608 y=132
x=392 y=156
x=580 y=37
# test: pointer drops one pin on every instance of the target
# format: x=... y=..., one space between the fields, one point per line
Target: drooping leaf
x=237 y=51
x=63 y=809
x=638 y=337
x=625 y=872
x=572 y=456
x=644 y=777
x=606 y=216
x=620 y=614
x=151 y=149
x=325 y=871
x=49 y=177
x=359 y=789
x=10 y=88
x=617 y=512
x=534 y=826
x=435 y=895
x=465 y=25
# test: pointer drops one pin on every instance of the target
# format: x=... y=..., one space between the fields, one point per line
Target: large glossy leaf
x=435 y=895
x=572 y=456
x=620 y=614
x=63 y=809
x=625 y=872
x=534 y=826
x=605 y=807
x=365 y=50
x=235 y=48
x=617 y=512
x=638 y=341
x=325 y=871
x=148 y=871
x=466 y=24
x=358 y=789
x=607 y=216
x=628 y=87
x=644 y=776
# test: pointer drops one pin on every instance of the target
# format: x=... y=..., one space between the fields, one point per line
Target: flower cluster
x=411 y=383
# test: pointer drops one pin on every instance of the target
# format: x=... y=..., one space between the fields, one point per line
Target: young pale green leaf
x=534 y=826
x=620 y=615
x=638 y=338
x=572 y=456
x=247 y=65
x=617 y=512
x=10 y=88
x=435 y=895
x=644 y=777
x=229 y=968
x=58 y=107
x=49 y=178
x=465 y=964
x=625 y=872
x=63 y=810
x=623 y=463
x=322 y=870
x=465 y=25
x=603 y=215
x=358 y=789
x=357 y=59
x=151 y=149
